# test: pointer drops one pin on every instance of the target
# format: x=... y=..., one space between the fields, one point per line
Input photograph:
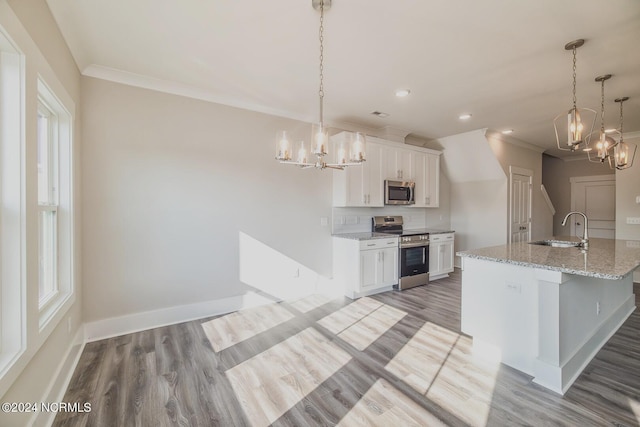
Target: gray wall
x=555 y=177
x=177 y=190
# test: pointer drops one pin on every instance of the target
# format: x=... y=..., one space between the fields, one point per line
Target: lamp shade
x=358 y=148
x=283 y=146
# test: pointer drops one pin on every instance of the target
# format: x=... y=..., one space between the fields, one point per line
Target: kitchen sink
x=556 y=244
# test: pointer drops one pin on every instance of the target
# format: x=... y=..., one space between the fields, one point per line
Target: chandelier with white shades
x=348 y=152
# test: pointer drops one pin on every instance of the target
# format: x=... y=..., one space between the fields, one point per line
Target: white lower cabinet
x=440 y=255
x=365 y=267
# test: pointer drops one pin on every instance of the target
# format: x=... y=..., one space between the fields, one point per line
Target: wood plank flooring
x=393 y=359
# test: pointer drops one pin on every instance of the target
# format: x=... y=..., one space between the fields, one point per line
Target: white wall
x=477 y=190
x=478 y=213
x=51 y=351
x=172 y=185
x=477 y=164
x=627 y=190
x=511 y=152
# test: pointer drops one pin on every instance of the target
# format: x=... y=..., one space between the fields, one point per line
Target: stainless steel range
x=413 y=258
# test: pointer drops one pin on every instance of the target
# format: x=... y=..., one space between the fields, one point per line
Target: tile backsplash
x=355 y=220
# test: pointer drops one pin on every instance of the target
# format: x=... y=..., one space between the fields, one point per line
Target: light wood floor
x=393 y=359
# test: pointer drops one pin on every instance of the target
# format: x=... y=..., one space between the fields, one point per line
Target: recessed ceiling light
x=507 y=131
x=465 y=116
x=610 y=130
x=400 y=93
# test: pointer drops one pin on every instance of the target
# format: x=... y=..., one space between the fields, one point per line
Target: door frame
x=514 y=170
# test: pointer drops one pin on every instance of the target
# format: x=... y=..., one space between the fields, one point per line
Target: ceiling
x=503 y=61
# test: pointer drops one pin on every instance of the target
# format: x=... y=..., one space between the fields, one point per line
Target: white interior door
x=596 y=197
x=521 y=181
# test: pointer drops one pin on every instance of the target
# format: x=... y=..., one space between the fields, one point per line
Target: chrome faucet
x=584 y=243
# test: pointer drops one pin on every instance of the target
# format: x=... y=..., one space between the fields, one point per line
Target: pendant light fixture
x=605 y=143
x=349 y=152
x=623 y=152
x=576 y=118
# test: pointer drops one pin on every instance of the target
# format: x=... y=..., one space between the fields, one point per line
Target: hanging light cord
x=321 y=90
x=621 y=134
x=574 y=77
x=602 y=107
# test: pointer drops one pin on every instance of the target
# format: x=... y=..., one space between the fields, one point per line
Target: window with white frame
x=55 y=212
x=12 y=212
x=47 y=204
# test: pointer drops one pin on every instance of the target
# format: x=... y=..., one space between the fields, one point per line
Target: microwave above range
x=399 y=192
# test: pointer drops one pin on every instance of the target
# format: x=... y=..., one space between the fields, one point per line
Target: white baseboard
x=136 y=322
x=61 y=379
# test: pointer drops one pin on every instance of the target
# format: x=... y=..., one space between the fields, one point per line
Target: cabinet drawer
x=378 y=243
x=440 y=237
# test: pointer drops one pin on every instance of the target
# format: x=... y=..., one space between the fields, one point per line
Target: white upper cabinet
x=363 y=185
x=427 y=167
x=400 y=164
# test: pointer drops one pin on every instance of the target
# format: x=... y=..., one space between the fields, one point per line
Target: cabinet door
x=356 y=185
x=432 y=181
x=399 y=164
x=447 y=257
x=434 y=258
x=389 y=267
x=421 y=164
x=369 y=265
x=373 y=178
x=426 y=171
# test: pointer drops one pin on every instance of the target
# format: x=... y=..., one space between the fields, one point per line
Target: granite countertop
x=606 y=258
x=365 y=235
x=436 y=231
x=368 y=235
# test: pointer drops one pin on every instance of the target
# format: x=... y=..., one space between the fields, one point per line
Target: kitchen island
x=546 y=310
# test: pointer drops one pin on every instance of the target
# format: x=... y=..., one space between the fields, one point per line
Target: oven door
x=414 y=260
x=414 y=265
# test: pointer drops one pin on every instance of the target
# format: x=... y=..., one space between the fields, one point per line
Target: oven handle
x=413 y=245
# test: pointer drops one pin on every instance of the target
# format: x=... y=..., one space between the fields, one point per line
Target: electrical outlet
x=69 y=324
x=638 y=200
x=633 y=220
x=633 y=243
x=598 y=308
x=324 y=221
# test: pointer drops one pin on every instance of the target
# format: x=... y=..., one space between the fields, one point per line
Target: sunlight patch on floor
x=438 y=363
x=635 y=407
x=384 y=405
x=362 y=322
x=272 y=382
x=231 y=329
